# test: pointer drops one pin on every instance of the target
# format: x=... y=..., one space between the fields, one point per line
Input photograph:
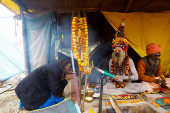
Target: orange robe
x=141 y=70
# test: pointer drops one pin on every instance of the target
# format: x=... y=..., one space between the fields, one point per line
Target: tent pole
x=79 y=14
x=107 y=5
x=84 y=93
x=128 y=6
x=25 y=44
x=80 y=84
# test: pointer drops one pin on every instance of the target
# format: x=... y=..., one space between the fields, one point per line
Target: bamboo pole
x=128 y=6
x=79 y=70
x=85 y=14
x=84 y=93
x=72 y=14
x=107 y=5
x=80 y=84
x=79 y=14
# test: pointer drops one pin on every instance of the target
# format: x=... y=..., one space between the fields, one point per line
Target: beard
x=154 y=62
x=118 y=57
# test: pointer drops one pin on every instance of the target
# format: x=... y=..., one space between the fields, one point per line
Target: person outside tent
x=43 y=87
x=1 y=82
x=149 y=68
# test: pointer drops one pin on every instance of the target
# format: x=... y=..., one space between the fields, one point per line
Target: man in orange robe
x=149 y=68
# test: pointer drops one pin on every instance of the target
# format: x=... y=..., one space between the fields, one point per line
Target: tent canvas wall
x=12 y=60
x=38 y=40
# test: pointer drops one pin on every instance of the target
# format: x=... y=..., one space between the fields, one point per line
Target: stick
x=115 y=106
x=84 y=92
x=80 y=85
x=101 y=93
x=75 y=81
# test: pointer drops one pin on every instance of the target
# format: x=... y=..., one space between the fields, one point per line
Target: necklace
x=120 y=69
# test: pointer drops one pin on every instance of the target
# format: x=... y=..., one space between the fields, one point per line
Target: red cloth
x=153 y=48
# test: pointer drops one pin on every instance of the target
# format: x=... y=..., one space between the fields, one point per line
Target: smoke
x=93 y=35
x=64 y=26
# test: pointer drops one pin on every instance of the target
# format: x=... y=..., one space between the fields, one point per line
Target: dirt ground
x=9 y=102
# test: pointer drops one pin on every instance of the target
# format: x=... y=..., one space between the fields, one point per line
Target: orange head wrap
x=153 y=48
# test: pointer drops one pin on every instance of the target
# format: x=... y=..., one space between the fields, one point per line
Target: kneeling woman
x=39 y=88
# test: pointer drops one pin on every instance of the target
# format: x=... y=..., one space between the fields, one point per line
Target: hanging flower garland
x=127 y=72
x=79 y=39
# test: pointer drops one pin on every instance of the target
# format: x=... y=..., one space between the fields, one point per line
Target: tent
x=140 y=18
x=12 y=60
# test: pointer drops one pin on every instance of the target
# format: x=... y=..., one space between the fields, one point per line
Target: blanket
x=66 y=106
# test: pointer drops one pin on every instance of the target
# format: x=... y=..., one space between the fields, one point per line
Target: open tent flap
x=38 y=39
x=144 y=28
x=12 y=60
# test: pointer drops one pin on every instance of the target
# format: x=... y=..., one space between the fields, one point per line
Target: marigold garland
x=79 y=40
x=120 y=41
x=127 y=72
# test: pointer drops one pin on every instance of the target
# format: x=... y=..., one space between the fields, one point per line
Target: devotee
x=124 y=69
x=43 y=87
x=1 y=82
x=149 y=68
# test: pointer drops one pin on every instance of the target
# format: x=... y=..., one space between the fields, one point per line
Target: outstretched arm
x=159 y=73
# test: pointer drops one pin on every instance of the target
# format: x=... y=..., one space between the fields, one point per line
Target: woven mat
x=73 y=94
x=117 y=97
x=157 y=91
x=66 y=106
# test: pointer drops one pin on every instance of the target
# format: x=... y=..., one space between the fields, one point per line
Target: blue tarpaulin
x=38 y=40
x=12 y=60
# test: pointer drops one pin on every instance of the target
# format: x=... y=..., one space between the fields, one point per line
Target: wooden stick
x=101 y=93
x=107 y=5
x=84 y=92
x=115 y=106
x=79 y=14
x=128 y=6
x=66 y=3
x=72 y=14
x=80 y=84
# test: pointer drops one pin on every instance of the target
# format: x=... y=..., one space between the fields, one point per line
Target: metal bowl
x=89 y=95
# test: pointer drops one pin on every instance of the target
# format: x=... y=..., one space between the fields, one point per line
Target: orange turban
x=153 y=48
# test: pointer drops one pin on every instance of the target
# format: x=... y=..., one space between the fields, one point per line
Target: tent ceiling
x=66 y=6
